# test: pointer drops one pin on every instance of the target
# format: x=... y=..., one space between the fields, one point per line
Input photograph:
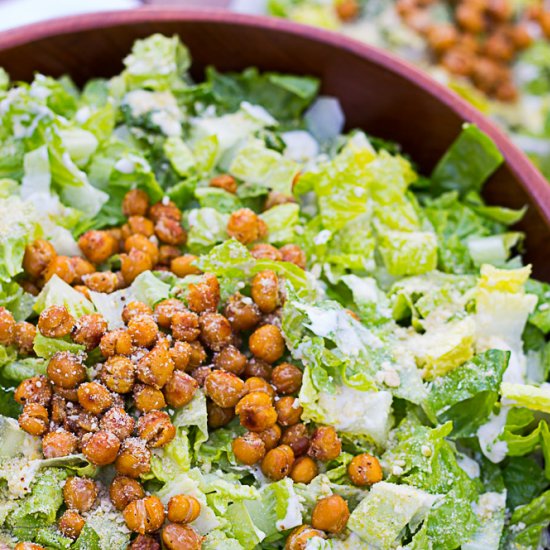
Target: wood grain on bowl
x=379 y=93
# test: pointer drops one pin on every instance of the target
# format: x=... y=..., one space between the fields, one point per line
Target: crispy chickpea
x=216 y=331
x=34 y=390
x=441 y=37
x=89 y=330
x=201 y=373
x=500 y=10
x=255 y=383
x=37 y=257
x=80 y=493
x=59 y=443
x=224 y=388
x=123 y=490
x=68 y=394
x=457 y=61
x=81 y=268
x=225 y=182
x=271 y=437
x=265 y=291
x=156 y=367
x=293 y=254
x=248 y=448
x=144 y=515
x=164 y=209
x=71 y=524
x=286 y=378
x=183 y=509
x=62 y=267
x=101 y=281
x=23 y=337
x=138 y=224
x=134 y=458
x=156 y=429
x=258 y=368
x=230 y=359
x=168 y=253
x=506 y=91
x=347 y=10
x=297 y=438
x=330 y=514
x=100 y=448
x=180 y=353
x=183 y=265
x=28 y=546
x=94 y=397
x=300 y=536
x=98 y=246
x=470 y=18
x=256 y=411
x=144 y=542
x=289 y=411
x=117 y=421
x=198 y=354
x=147 y=398
x=267 y=343
x=364 y=469
x=205 y=295
x=181 y=537
x=66 y=370
x=499 y=47
x=165 y=310
x=242 y=312
x=245 y=226
x=116 y=342
x=118 y=374
x=170 y=231
x=58 y=412
x=34 y=419
x=185 y=326
x=135 y=203
x=218 y=416
x=55 y=322
x=266 y=251
x=325 y=444
x=133 y=264
x=143 y=330
x=133 y=309
x=521 y=36
x=278 y=462
x=180 y=389
x=304 y=470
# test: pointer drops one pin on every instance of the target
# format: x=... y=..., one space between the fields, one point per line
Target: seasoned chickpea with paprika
x=144 y=515
x=61 y=266
x=164 y=311
x=330 y=514
x=118 y=374
x=267 y=344
x=134 y=263
x=98 y=246
x=55 y=322
x=80 y=493
x=164 y=209
x=230 y=359
x=134 y=458
x=133 y=309
x=304 y=470
x=135 y=203
x=23 y=337
x=182 y=266
x=225 y=182
x=170 y=231
x=180 y=389
x=71 y=524
x=278 y=462
x=36 y=389
x=38 y=255
x=255 y=383
x=81 y=268
x=289 y=411
x=298 y=539
x=219 y=416
x=100 y=448
x=167 y=253
x=216 y=331
x=286 y=378
x=94 y=397
x=116 y=342
x=248 y=448
x=176 y=536
x=180 y=352
x=224 y=388
x=246 y=226
x=147 y=398
x=156 y=429
x=156 y=367
x=101 y=281
x=258 y=368
x=293 y=254
x=265 y=290
x=264 y=251
x=204 y=295
x=325 y=444
x=364 y=470
x=117 y=421
x=297 y=438
x=271 y=436
x=89 y=330
x=183 y=509
x=34 y=419
x=185 y=326
x=123 y=490
x=143 y=330
x=198 y=355
x=59 y=443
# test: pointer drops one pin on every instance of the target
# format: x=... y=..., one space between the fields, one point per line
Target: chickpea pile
x=481 y=42
x=158 y=360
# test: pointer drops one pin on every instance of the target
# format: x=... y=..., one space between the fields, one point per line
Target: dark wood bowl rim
x=526 y=173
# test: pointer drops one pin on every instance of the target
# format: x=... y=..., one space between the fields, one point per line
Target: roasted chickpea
x=267 y=343
x=299 y=538
x=144 y=515
x=297 y=438
x=230 y=359
x=304 y=470
x=66 y=370
x=71 y=524
x=58 y=412
x=293 y=254
x=164 y=209
x=117 y=421
x=258 y=368
x=180 y=353
x=30 y=287
x=89 y=330
x=94 y=397
x=242 y=312
x=55 y=322
x=457 y=61
x=81 y=268
x=185 y=326
x=68 y=394
x=34 y=419
x=441 y=37
x=274 y=198
x=181 y=537
x=165 y=310
x=255 y=383
x=28 y=546
x=62 y=267
x=184 y=265
x=34 y=390
x=325 y=444
x=499 y=47
x=135 y=203
x=266 y=251
x=100 y=448
x=183 y=509
x=347 y=10
x=80 y=493
x=156 y=367
x=170 y=232
x=225 y=182
x=167 y=254
x=143 y=330
x=133 y=309
x=265 y=291
x=101 y=281
x=286 y=378
x=138 y=224
x=23 y=337
x=156 y=429
x=147 y=398
x=116 y=342
x=134 y=458
x=470 y=18
x=330 y=514
x=37 y=257
x=218 y=416
x=118 y=374
x=248 y=448
x=180 y=389
x=278 y=462
x=506 y=91
x=224 y=388
x=133 y=264
x=123 y=490
x=144 y=542
x=245 y=226
x=289 y=411
x=59 y=443
x=98 y=246
x=216 y=331
x=198 y=355
x=256 y=411
x=205 y=295
x=271 y=437
x=364 y=469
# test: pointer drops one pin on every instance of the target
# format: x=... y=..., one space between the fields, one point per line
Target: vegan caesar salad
x=228 y=324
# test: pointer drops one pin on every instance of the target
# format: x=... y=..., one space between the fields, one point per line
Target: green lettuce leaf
x=57 y=292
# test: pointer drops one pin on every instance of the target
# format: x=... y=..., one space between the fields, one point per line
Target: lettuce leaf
x=58 y=292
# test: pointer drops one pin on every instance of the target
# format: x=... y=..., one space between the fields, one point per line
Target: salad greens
x=420 y=334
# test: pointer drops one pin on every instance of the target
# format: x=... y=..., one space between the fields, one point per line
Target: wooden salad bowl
x=379 y=93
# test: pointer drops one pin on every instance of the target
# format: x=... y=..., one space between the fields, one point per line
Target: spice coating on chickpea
x=23 y=337
x=265 y=291
x=55 y=322
x=98 y=246
x=181 y=537
x=242 y=312
x=365 y=469
x=34 y=419
x=124 y=490
x=118 y=374
x=101 y=281
x=135 y=203
x=170 y=231
x=248 y=448
x=304 y=470
x=134 y=458
x=246 y=226
x=144 y=542
x=94 y=397
x=145 y=515
x=156 y=367
x=59 y=443
x=80 y=493
x=270 y=437
x=264 y=251
x=293 y=254
x=71 y=524
x=267 y=343
x=134 y=263
x=204 y=295
x=133 y=309
x=182 y=266
x=180 y=389
x=289 y=411
x=218 y=416
x=278 y=462
x=89 y=330
x=164 y=209
x=156 y=429
x=297 y=438
x=117 y=421
x=147 y=398
x=34 y=390
x=325 y=444
x=225 y=182
x=286 y=378
x=100 y=448
x=330 y=514
x=216 y=331
x=183 y=509
x=256 y=411
x=37 y=257
x=185 y=326
x=224 y=388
